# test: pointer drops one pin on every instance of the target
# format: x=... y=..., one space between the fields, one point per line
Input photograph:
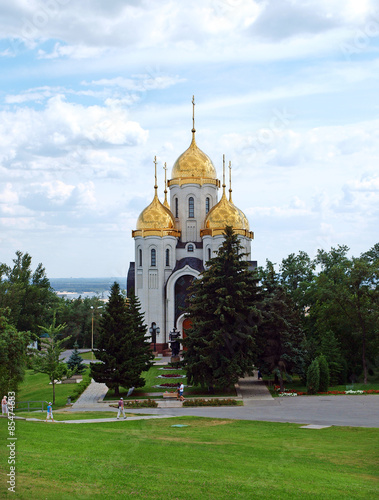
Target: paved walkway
x=355 y=411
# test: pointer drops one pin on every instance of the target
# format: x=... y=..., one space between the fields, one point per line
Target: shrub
x=313 y=377
x=324 y=374
x=79 y=388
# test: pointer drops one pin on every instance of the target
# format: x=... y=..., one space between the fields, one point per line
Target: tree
x=27 y=294
x=348 y=301
x=47 y=360
x=313 y=377
x=324 y=374
x=222 y=308
x=330 y=348
x=123 y=346
x=75 y=362
x=13 y=351
x=281 y=337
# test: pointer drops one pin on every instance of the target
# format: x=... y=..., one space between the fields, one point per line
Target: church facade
x=174 y=240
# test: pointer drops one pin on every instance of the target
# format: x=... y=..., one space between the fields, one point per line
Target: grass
x=87 y=355
x=151 y=380
x=209 y=459
x=62 y=415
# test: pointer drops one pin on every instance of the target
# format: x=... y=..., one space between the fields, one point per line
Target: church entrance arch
x=181 y=291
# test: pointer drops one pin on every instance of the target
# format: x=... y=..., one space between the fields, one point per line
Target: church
x=174 y=240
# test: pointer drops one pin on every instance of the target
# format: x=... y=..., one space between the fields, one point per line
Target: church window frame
x=153 y=257
x=176 y=208
x=191 y=207
x=207 y=204
x=167 y=257
x=140 y=257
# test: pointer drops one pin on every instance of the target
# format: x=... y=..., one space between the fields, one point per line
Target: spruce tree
x=220 y=344
x=123 y=346
x=75 y=362
x=281 y=338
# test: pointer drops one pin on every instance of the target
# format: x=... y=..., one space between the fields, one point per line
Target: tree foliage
x=122 y=346
x=27 y=294
x=281 y=337
x=75 y=361
x=13 y=351
x=47 y=360
x=222 y=308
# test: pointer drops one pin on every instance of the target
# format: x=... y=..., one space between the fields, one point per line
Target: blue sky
x=92 y=90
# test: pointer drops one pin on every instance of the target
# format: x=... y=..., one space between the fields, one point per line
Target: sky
x=91 y=91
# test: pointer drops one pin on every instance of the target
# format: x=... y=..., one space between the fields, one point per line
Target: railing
x=30 y=406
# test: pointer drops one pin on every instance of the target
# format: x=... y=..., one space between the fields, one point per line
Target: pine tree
x=220 y=344
x=75 y=362
x=122 y=345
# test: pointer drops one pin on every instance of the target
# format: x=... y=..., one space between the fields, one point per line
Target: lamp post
x=92 y=330
x=175 y=344
x=154 y=330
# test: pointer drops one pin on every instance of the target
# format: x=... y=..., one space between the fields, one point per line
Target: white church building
x=174 y=241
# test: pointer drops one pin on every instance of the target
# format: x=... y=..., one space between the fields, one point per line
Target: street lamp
x=92 y=331
x=154 y=330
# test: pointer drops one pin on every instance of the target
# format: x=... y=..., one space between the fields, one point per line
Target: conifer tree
x=123 y=346
x=220 y=344
x=324 y=374
x=281 y=338
x=75 y=362
x=313 y=377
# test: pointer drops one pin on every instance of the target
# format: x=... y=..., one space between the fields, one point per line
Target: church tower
x=173 y=242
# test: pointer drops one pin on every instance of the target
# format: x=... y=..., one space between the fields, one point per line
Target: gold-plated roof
x=244 y=218
x=155 y=219
x=225 y=213
x=193 y=166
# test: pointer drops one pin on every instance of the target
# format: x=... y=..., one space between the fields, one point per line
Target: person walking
x=4 y=406
x=121 y=408
x=181 y=390
x=49 y=412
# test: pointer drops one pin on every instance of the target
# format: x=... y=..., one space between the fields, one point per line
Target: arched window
x=190 y=248
x=153 y=257
x=209 y=253
x=167 y=257
x=191 y=208
x=176 y=208
x=207 y=205
x=140 y=257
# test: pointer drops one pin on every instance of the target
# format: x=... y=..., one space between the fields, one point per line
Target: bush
x=210 y=402
x=313 y=377
x=324 y=374
x=80 y=388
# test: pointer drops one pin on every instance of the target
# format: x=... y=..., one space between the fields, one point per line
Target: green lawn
x=62 y=415
x=209 y=459
x=36 y=387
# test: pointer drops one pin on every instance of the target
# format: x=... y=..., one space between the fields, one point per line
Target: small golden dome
x=155 y=219
x=225 y=213
x=193 y=166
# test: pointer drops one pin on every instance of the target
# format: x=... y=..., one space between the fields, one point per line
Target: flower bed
x=291 y=392
x=167 y=384
x=147 y=403
x=210 y=402
x=172 y=375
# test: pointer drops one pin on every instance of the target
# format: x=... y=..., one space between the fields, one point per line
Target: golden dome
x=193 y=167
x=155 y=219
x=225 y=213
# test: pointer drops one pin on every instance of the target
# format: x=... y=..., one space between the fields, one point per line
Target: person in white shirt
x=121 y=408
